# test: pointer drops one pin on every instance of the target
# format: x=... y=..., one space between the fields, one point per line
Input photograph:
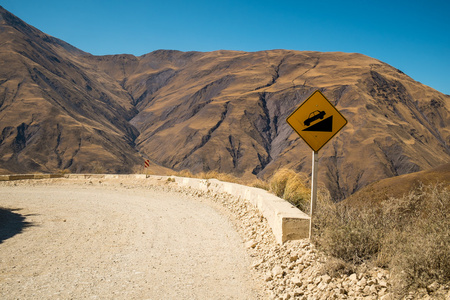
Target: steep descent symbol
x=316 y=120
x=324 y=126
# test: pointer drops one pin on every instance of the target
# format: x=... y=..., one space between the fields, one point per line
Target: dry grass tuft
x=184 y=173
x=63 y=172
x=208 y=175
x=219 y=176
x=260 y=184
x=290 y=186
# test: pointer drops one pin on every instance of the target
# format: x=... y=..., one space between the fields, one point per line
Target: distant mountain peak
x=7 y=18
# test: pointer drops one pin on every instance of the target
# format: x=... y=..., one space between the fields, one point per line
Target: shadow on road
x=11 y=223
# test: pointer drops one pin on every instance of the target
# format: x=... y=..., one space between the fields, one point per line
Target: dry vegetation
x=410 y=236
x=291 y=186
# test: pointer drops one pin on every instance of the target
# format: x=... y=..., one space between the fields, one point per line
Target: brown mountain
x=399 y=186
x=54 y=112
x=223 y=111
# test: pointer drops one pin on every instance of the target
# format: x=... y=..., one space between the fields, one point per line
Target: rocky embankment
x=296 y=270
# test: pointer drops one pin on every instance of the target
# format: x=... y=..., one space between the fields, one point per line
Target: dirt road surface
x=64 y=240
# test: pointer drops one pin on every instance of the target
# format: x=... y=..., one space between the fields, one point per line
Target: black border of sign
x=326 y=142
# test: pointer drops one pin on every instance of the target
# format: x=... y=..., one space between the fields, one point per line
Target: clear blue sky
x=413 y=36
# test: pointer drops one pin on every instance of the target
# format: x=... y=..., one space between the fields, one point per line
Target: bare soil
x=69 y=239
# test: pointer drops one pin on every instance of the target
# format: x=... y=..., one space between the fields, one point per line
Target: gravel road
x=78 y=240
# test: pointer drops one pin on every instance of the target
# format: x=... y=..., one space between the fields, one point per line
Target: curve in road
x=109 y=242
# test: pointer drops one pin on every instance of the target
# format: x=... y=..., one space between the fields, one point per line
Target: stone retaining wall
x=28 y=176
x=287 y=221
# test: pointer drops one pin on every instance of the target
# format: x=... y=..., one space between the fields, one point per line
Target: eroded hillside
x=226 y=111
x=61 y=108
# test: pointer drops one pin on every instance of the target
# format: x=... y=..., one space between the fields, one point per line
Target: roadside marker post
x=316 y=121
x=146 y=166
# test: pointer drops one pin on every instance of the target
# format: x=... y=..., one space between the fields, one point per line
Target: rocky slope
x=223 y=111
x=55 y=113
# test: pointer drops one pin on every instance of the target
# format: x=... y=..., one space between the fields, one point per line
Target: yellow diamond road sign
x=316 y=120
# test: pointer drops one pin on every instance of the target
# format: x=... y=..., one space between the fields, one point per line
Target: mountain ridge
x=222 y=110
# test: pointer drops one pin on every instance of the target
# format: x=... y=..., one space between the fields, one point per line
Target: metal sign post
x=315 y=165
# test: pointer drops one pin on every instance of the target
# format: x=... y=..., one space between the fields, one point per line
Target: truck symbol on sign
x=315 y=115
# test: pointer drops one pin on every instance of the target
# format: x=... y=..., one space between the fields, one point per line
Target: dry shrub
x=184 y=173
x=336 y=267
x=296 y=192
x=97 y=168
x=63 y=172
x=208 y=175
x=290 y=186
x=279 y=180
x=258 y=183
x=418 y=247
x=347 y=233
x=410 y=236
x=219 y=176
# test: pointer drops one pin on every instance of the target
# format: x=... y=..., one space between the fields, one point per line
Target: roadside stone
x=322 y=286
x=353 y=277
x=277 y=271
x=433 y=287
x=286 y=296
x=383 y=283
x=382 y=291
x=362 y=283
x=298 y=293
x=342 y=291
x=387 y=297
x=268 y=277
x=250 y=244
x=257 y=263
x=296 y=281
x=326 y=279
